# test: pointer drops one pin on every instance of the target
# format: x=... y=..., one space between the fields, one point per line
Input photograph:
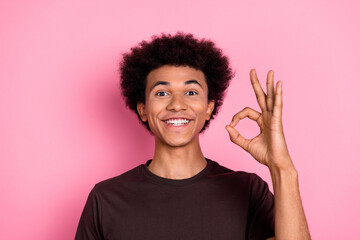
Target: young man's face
x=176 y=105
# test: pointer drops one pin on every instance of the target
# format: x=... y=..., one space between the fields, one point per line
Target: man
x=176 y=85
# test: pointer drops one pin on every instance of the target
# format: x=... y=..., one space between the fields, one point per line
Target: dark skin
x=181 y=93
x=269 y=148
x=176 y=93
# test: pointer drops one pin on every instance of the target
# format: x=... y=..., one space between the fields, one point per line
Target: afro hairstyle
x=175 y=50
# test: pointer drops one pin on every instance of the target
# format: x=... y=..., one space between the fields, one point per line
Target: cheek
x=201 y=108
x=152 y=108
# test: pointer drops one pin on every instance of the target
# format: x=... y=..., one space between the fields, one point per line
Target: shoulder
x=247 y=183
x=127 y=178
x=247 y=186
x=220 y=170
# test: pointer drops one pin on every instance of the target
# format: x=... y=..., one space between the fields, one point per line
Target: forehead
x=175 y=75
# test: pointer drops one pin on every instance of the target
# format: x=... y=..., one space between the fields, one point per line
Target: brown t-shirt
x=215 y=204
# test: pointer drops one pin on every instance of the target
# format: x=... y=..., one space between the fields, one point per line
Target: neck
x=177 y=162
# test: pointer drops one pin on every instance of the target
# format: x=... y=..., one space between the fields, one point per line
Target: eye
x=161 y=93
x=191 y=93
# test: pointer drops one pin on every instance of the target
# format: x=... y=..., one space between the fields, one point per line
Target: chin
x=176 y=142
x=178 y=139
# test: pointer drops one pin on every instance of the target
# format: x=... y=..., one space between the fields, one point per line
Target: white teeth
x=177 y=122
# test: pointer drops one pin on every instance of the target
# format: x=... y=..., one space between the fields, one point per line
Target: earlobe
x=211 y=105
x=141 y=111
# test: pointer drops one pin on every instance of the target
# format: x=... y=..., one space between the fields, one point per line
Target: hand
x=269 y=147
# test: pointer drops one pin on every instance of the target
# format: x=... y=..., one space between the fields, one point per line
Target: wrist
x=284 y=178
x=287 y=169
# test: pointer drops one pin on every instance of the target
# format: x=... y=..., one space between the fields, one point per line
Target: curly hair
x=178 y=50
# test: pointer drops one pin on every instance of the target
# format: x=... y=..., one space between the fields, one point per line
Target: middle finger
x=270 y=91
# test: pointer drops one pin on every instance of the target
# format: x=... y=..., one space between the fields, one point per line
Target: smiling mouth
x=177 y=122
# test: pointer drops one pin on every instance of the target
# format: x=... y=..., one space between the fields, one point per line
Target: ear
x=210 y=108
x=141 y=111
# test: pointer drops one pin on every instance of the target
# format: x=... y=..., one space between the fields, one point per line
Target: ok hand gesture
x=269 y=147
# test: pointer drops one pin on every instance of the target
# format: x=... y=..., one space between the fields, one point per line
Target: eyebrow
x=168 y=84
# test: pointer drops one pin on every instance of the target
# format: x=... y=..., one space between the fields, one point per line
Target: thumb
x=236 y=137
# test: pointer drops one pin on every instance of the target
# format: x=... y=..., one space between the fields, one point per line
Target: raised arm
x=269 y=148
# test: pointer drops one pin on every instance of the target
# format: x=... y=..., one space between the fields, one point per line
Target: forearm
x=290 y=221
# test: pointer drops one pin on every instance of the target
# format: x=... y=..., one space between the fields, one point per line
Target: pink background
x=64 y=126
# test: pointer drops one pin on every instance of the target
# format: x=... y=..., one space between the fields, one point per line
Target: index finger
x=259 y=92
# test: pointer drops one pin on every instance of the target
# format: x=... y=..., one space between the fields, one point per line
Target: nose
x=177 y=103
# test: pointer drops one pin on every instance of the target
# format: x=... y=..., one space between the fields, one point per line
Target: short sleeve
x=261 y=219
x=89 y=227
